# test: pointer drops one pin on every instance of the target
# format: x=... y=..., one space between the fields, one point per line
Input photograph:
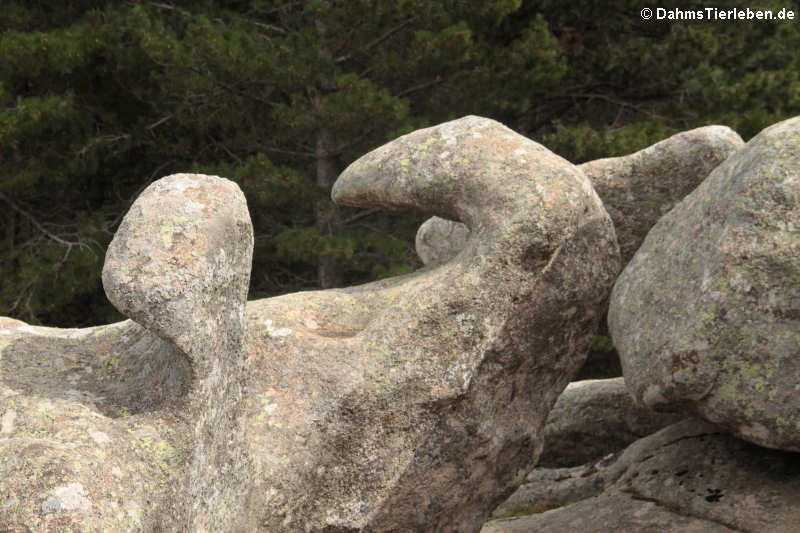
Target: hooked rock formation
x=409 y=404
x=137 y=426
x=636 y=189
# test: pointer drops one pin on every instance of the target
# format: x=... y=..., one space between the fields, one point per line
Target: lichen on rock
x=138 y=426
x=636 y=189
x=706 y=316
x=416 y=403
x=409 y=404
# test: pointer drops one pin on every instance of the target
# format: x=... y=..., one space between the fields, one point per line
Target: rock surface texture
x=439 y=240
x=706 y=316
x=594 y=418
x=636 y=189
x=416 y=403
x=410 y=404
x=138 y=427
x=688 y=477
x=640 y=188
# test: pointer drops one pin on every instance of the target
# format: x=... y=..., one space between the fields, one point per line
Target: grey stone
x=690 y=476
x=594 y=418
x=706 y=316
x=139 y=427
x=438 y=240
x=409 y=404
x=417 y=403
x=636 y=189
x=550 y=488
x=611 y=512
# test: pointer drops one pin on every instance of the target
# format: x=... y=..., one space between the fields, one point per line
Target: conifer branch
x=38 y=225
x=380 y=39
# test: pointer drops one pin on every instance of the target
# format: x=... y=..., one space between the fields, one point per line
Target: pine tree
x=100 y=98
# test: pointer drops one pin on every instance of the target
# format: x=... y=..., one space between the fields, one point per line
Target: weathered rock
x=615 y=511
x=438 y=240
x=416 y=403
x=636 y=189
x=590 y=423
x=409 y=404
x=594 y=418
x=551 y=488
x=706 y=316
x=115 y=429
x=687 y=477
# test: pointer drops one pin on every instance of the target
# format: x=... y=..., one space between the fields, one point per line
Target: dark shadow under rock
x=594 y=418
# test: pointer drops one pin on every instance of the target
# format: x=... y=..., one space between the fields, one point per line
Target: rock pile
x=410 y=404
x=706 y=317
x=420 y=403
x=636 y=189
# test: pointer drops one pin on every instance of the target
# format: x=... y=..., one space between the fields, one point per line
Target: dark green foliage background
x=100 y=98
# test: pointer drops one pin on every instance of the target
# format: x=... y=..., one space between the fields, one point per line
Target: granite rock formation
x=410 y=404
x=138 y=426
x=706 y=316
x=636 y=189
x=416 y=403
x=689 y=477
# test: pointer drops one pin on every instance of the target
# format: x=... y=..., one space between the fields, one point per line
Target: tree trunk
x=329 y=273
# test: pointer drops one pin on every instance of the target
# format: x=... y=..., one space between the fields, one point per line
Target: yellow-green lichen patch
x=165 y=232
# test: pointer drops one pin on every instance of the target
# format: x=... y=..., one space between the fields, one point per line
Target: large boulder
x=636 y=189
x=640 y=188
x=139 y=427
x=690 y=476
x=410 y=404
x=706 y=316
x=594 y=418
x=417 y=403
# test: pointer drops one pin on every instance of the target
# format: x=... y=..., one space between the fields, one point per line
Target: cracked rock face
x=706 y=316
x=410 y=404
x=690 y=476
